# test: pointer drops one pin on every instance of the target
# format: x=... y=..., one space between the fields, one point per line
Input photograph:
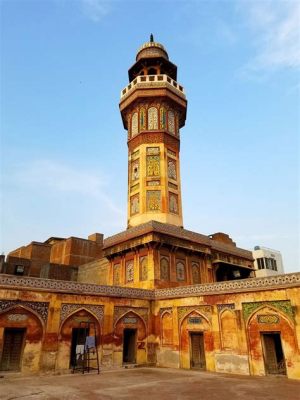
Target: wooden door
x=273 y=354
x=197 y=351
x=12 y=349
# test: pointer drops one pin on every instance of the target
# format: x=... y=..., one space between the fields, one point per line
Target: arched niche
x=21 y=334
x=271 y=336
x=71 y=334
x=195 y=329
x=130 y=339
x=167 y=329
x=229 y=331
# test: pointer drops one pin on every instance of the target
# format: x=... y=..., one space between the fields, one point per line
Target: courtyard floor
x=148 y=383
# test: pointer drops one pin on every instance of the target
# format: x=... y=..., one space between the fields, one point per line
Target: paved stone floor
x=149 y=384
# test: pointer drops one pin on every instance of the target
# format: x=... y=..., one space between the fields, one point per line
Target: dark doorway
x=273 y=354
x=197 y=351
x=129 y=346
x=12 y=349
x=78 y=338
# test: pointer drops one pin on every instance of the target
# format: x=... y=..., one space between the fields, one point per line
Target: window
x=260 y=263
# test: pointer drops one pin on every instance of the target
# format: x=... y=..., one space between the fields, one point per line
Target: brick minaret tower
x=153 y=108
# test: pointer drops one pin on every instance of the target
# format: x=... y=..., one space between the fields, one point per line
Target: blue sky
x=63 y=147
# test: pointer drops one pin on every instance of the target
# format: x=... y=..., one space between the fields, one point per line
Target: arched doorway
x=73 y=333
x=130 y=339
x=21 y=333
x=196 y=342
x=272 y=342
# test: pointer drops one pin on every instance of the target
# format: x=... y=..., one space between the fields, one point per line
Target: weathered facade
x=155 y=294
x=249 y=326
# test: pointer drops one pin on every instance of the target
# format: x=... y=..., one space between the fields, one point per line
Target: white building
x=267 y=262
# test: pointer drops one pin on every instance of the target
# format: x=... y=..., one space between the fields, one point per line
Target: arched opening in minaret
x=152 y=71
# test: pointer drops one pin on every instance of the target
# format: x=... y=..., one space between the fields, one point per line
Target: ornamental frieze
x=67 y=309
x=41 y=308
x=122 y=310
x=184 y=311
x=281 y=305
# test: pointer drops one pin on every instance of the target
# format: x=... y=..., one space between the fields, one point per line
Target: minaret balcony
x=155 y=81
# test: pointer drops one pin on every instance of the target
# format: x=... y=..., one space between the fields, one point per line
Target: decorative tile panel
x=152 y=118
x=268 y=319
x=67 y=309
x=173 y=203
x=180 y=270
x=134 y=124
x=171 y=122
x=166 y=309
x=122 y=310
x=117 y=274
x=143 y=268
x=196 y=272
x=153 y=166
x=153 y=200
x=40 y=308
x=281 y=305
x=129 y=271
x=142 y=119
x=135 y=170
x=229 y=306
x=135 y=204
x=164 y=268
x=172 y=174
x=184 y=311
x=163 y=118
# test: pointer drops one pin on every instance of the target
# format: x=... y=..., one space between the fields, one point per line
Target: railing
x=150 y=79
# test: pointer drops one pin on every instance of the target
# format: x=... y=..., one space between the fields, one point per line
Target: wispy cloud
x=275 y=32
x=55 y=177
x=95 y=10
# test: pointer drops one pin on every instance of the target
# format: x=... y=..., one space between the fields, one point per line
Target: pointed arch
x=229 y=330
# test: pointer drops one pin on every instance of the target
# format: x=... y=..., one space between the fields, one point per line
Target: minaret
x=153 y=108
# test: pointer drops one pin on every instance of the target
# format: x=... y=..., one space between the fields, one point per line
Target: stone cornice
x=238 y=286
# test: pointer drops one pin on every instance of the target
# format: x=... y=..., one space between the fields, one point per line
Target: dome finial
x=151 y=38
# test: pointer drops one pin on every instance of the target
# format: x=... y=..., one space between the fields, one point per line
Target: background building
x=267 y=262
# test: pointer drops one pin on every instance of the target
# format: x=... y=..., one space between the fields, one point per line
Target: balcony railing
x=163 y=79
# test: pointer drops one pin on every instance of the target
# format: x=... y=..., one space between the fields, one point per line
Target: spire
x=151 y=38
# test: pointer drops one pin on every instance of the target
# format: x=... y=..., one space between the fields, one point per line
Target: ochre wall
x=230 y=322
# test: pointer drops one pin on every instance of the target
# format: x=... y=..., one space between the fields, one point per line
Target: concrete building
x=156 y=293
x=267 y=262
